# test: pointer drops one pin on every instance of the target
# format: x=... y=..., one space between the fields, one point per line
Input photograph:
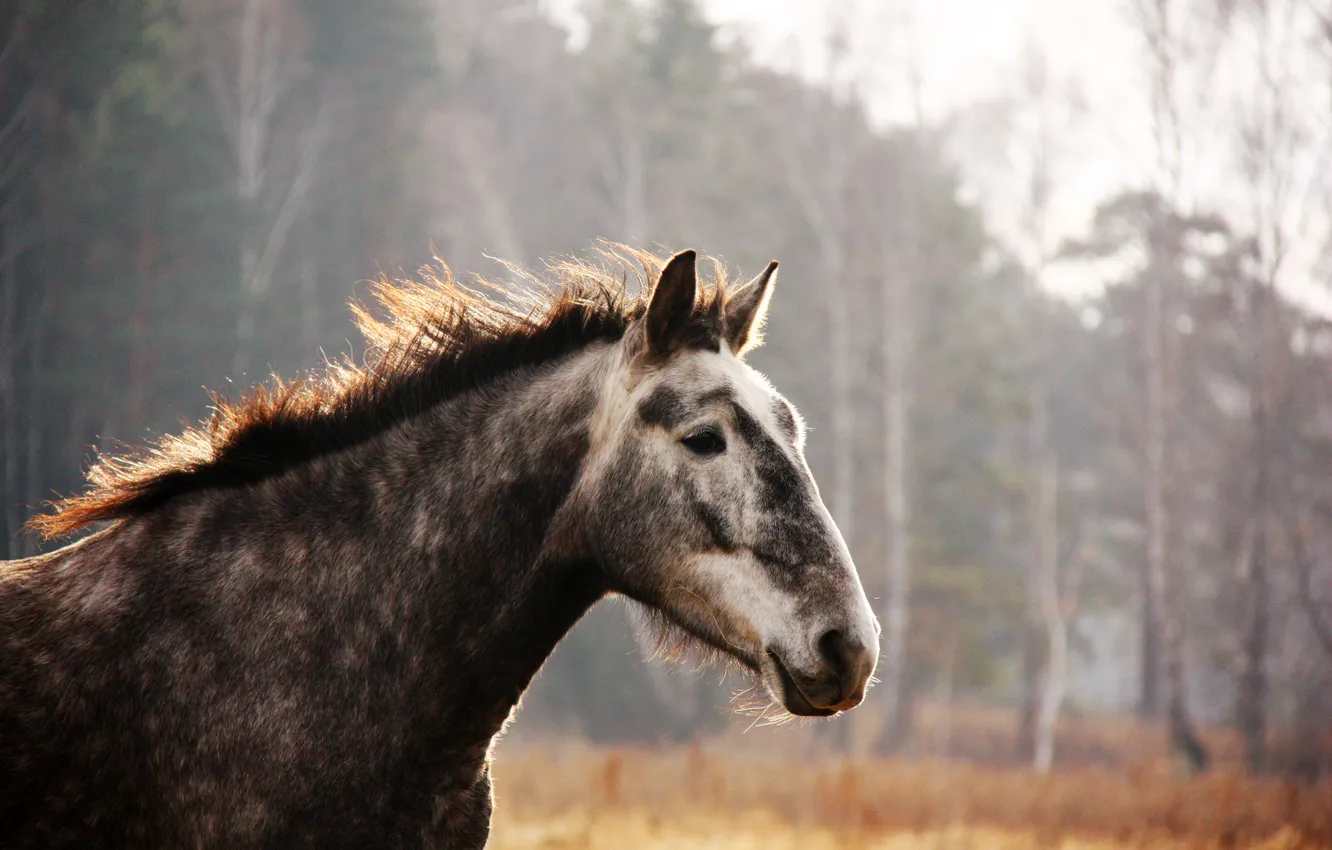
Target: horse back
x=67 y=754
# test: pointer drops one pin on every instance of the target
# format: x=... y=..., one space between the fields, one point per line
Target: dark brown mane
x=438 y=340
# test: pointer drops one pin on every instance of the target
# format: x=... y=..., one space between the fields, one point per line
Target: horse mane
x=438 y=340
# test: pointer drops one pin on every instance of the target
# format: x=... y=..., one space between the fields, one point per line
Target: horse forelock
x=430 y=339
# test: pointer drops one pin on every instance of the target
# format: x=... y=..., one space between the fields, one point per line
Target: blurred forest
x=1108 y=502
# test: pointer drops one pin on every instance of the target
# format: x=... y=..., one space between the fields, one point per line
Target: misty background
x=1053 y=299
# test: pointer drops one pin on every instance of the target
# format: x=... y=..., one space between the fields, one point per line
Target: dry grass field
x=731 y=794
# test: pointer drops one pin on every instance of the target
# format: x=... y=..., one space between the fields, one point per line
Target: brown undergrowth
x=716 y=795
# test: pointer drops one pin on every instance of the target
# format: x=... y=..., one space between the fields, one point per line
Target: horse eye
x=705 y=442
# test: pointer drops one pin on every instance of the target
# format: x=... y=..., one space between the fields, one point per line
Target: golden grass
x=645 y=829
x=985 y=734
x=586 y=797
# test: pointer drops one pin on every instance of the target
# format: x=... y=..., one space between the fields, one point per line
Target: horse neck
x=488 y=522
x=442 y=538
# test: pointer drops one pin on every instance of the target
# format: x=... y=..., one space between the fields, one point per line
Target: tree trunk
x=1154 y=460
x=255 y=92
x=1053 y=612
x=1046 y=594
x=633 y=179
x=1319 y=624
x=820 y=194
x=896 y=353
x=1252 y=696
x=1035 y=650
x=1165 y=590
x=247 y=97
x=840 y=502
x=1029 y=685
x=1149 y=647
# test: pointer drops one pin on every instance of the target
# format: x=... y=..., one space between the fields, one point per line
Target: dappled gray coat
x=305 y=623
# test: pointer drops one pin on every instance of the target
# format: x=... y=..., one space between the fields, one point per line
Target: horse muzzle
x=835 y=680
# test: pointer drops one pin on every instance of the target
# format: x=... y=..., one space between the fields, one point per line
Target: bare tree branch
x=294 y=198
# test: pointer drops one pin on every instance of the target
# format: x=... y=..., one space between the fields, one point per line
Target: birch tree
x=253 y=61
x=1059 y=591
x=816 y=153
x=897 y=284
x=1318 y=616
x=1281 y=155
x=1179 y=70
x=617 y=87
x=1044 y=113
x=1051 y=108
x=820 y=155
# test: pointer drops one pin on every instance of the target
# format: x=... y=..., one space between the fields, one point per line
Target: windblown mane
x=438 y=340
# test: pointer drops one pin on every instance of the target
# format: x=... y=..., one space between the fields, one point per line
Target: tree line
x=191 y=190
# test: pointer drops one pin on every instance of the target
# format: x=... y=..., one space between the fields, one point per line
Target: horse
x=306 y=621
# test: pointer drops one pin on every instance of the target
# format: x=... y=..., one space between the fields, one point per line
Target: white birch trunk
x=819 y=190
x=817 y=179
x=633 y=179
x=897 y=345
x=624 y=169
x=1153 y=475
x=247 y=89
x=1173 y=48
x=1164 y=580
x=841 y=501
x=1052 y=612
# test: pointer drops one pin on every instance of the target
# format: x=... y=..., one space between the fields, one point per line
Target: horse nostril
x=835 y=653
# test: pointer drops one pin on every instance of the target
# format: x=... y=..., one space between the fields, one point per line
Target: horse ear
x=672 y=305
x=746 y=309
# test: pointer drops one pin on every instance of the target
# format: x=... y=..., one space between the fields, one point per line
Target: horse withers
x=305 y=622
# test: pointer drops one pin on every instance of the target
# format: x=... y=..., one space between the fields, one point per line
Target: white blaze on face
x=726 y=593
x=744 y=587
x=750 y=610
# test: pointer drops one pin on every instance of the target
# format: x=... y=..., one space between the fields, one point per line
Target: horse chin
x=682 y=641
x=678 y=641
x=784 y=690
